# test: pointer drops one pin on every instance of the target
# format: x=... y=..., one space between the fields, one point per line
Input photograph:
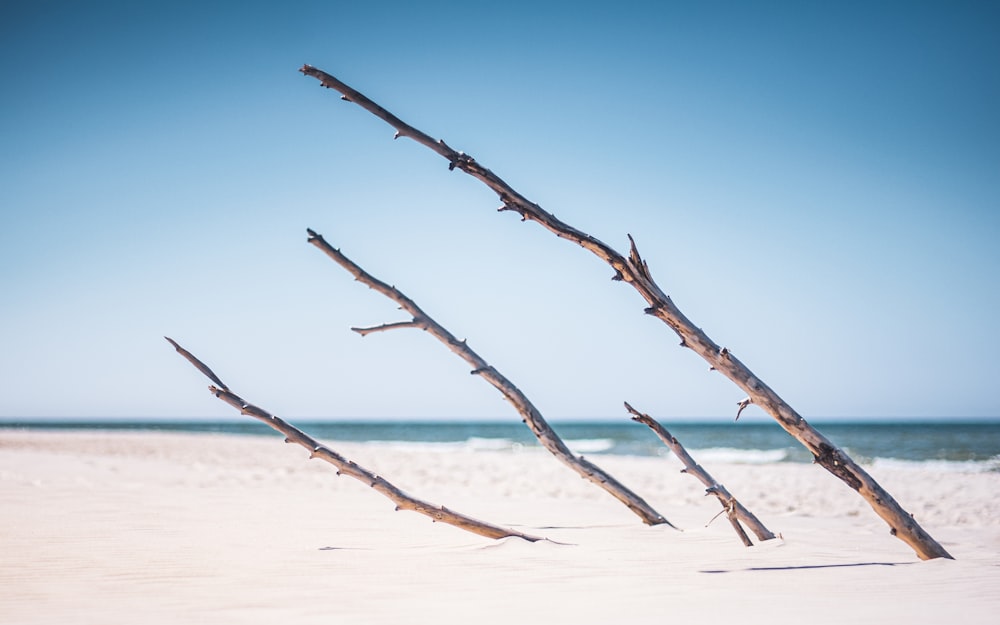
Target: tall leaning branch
x=633 y=270
x=530 y=415
x=347 y=467
x=735 y=511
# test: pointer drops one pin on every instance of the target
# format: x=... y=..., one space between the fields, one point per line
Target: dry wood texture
x=633 y=270
x=531 y=416
x=347 y=467
x=734 y=510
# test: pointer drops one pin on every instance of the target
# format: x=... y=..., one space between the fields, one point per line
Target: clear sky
x=817 y=185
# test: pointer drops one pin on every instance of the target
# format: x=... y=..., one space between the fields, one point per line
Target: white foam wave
x=473 y=443
x=418 y=445
x=939 y=466
x=729 y=455
x=476 y=443
x=590 y=445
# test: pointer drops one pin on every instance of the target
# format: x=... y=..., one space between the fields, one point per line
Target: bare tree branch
x=531 y=416
x=633 y=270
x=734 y=509
x=197 y=363
x=347 y=467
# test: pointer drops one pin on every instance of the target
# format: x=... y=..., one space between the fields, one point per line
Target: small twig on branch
x=743 y=403
x=347 y=467
x=734 y=509
x=730 y=511
x=386 y=327
x=829 y=456
x=532 y=417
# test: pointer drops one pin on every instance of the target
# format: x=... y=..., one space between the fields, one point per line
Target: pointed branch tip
x=197 y=363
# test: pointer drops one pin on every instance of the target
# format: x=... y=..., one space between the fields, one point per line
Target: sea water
x=946 y=445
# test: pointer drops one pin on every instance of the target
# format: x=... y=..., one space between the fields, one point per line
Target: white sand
x=172 y=528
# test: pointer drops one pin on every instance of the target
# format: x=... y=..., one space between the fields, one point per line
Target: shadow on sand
x=806 y=567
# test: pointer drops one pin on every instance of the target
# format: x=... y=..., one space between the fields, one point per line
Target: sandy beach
x=115 y=527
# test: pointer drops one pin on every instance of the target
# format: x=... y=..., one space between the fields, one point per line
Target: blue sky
x=815 y=185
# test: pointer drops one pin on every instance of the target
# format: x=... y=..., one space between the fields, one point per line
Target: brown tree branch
x=530 y=415
x=347 y=467
x=634 y=271
x=735 y=510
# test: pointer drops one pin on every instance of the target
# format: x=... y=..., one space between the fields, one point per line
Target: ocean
x=973 y=446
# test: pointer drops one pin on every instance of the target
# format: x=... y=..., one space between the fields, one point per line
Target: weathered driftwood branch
x=733 y=509
x=530 y=415
x=633 y=269
x=347 y=467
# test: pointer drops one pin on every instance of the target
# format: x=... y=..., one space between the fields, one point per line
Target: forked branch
x=530 y=415
x=733 y=509
x=633 y=270
x=347 y=467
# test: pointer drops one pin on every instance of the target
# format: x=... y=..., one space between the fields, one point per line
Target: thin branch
x=825 y=453
x=531 y=416
x=197 y=363
x=730 y=505
x=347 y=467
x=387 y=326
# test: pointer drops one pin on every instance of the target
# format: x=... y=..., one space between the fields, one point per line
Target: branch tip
x=743 y=404
x=197 y=364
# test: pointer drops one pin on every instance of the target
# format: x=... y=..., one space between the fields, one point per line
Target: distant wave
x=991 y=465
x=728 y=455
x=477 y=443
x=473 y=443
x=590 y=445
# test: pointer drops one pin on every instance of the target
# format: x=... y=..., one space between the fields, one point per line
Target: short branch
x=737 y=512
